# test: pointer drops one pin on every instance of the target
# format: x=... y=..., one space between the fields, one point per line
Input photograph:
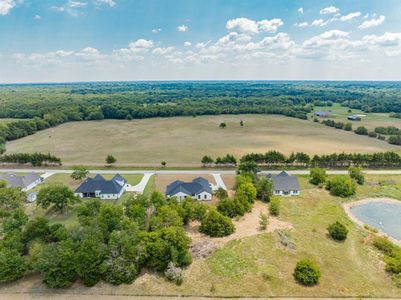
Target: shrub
x=348 y=127
x=264 y=189
x=337 y=231
x=221 y=193
x=174 y=273
x=356 y=174
x=263 y=221
x=341 y=186
x=317 y=176
x=372 y=134
x=231 y=207
x=13 y=265
x=361 y=130
x=307 y=272
x=215 y=224
x=274 y=207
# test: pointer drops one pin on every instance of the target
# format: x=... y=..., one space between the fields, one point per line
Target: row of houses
x=98 y=187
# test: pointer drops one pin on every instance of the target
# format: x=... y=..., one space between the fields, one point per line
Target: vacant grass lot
x=182 y=141
x=261 y=266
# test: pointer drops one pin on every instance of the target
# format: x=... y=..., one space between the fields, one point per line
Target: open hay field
x=182 y=141
x=260 y=266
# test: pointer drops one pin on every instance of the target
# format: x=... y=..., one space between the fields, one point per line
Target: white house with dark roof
x=285 y=185
x=199 y=189
x=26 y=182
x=98 y=187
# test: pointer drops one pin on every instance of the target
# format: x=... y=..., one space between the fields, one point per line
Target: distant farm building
x=199 y=189
x=323 y=114
x=354 y=118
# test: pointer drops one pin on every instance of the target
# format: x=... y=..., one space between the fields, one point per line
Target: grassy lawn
x=371 y=121
x=261 y=266
x=184 y=140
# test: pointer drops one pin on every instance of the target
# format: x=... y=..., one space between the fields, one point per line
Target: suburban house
x=199 y=189
x=323 y=114
x=285 y=185
x=26 y=182
x=98 y=187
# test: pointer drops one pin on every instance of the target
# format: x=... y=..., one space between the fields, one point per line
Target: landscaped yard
x=182 y=141
x=260 y=265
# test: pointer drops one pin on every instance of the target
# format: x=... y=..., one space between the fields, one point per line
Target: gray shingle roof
x=98 y=183
x=285 y=182
x=13 y=180
x=197 y=186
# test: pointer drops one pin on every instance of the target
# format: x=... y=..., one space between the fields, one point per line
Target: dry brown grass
x=182 y=141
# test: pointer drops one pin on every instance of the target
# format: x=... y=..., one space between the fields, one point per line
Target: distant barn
x=323 y=114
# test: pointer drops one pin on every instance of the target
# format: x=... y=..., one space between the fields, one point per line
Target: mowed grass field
x=260 y=266
x=182 y=141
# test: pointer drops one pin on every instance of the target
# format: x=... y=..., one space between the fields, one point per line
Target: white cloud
x=163 y=51
x=302 y=24
x=187 y=44
x=372 y=23
x=250 y=26
x=54 y=57
x=135 y=51
x=329 y=10
x=182 y=28
x=71 y=7
x=37 y=17
x=350 y=16
x=301 y=10
x=90 y=54
x=156 y=30
x=110 y=3
x=319 y=22
x=6 y=6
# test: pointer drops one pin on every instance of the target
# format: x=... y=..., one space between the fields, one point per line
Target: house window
x=205 y=196
x=199 y=196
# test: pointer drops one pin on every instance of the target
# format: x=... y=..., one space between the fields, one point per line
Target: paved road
x=192 y=172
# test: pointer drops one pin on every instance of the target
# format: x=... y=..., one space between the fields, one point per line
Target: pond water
x=384 y=216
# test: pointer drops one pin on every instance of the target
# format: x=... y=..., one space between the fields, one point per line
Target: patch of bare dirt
x=247 y=225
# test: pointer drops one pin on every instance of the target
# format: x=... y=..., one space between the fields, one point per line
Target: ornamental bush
x=231 y=207
x=338 y=231
x=307 y=272
x=317 y=176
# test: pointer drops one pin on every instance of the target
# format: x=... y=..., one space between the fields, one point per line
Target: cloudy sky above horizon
x=85 y=40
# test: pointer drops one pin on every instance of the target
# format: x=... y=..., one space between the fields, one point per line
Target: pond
x=384 y=216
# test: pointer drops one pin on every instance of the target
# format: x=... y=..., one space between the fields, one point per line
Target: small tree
x=223 y=125
x=79 y=173
x=338 y=231
x=221 y=193
x=263 y=220
x=241 y=123
x=13 y=265
x=274 y=207
x=207 y=160
x=342 y=186
x=264 y=189
x=361 y=130
x=248 y=167
x=231 y=207
x=317 y=176
x=163 y=163
x=307 y=272
x=347 y=127
x=356 y=174
x=58 y=195
x=215 y=224
x=110 y=159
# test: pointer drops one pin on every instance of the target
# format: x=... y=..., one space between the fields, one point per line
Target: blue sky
x=79 y=40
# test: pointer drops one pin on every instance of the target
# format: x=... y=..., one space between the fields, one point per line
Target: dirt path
x=247 y=225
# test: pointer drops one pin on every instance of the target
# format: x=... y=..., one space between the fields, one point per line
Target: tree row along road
x=190 y=172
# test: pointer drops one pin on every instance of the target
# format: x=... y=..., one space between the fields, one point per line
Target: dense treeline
x=35 y=159
x=274 y=159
